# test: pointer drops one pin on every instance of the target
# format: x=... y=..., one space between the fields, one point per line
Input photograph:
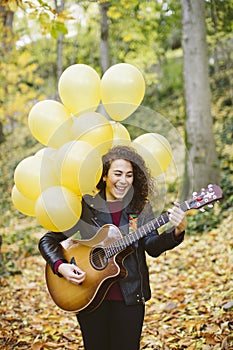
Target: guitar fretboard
x=141 y=232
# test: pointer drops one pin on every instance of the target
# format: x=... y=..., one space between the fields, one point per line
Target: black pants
x=112 y=326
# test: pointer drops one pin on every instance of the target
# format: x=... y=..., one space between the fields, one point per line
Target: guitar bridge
x=72 y=261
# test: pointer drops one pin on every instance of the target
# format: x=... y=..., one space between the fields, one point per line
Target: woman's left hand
x=178 y=218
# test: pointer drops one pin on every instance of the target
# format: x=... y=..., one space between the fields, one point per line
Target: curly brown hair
x=142 y=181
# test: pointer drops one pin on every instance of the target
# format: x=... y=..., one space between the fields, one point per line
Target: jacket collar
x=98 y=202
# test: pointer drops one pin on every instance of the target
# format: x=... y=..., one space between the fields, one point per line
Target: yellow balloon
x=25 y=205
x=79 y=166
x=34 y=174
x=95 y=129
x=122 y=90
x=58 y=209
x=61 y=135
x=79 y=88
x=155 y=150
x=45 y=119
x=48 y=152
x=121 y=135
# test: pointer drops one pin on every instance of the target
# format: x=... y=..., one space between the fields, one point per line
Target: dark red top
x=114 y=292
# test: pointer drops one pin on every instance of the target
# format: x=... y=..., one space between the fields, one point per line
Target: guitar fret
x=127 y=238
x=131 y=238
x=141 y=232
x=165 y=218
x=150 y=226
x=144 y=231
x=159 y=222
x=114 y=247
x=108 y=251
x=123 y=243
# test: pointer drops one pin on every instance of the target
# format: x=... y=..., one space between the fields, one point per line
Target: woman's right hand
x=72 y=273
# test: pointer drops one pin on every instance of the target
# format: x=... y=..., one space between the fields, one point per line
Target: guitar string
x=124 y=242
x=103 y=253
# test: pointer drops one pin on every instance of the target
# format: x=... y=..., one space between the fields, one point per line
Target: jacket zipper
x=141 y=279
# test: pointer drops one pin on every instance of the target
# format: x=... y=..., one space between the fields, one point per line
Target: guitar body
x=101 y=271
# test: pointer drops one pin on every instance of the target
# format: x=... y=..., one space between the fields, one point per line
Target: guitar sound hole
x=98 y=258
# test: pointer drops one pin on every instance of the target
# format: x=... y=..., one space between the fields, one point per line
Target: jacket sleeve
x=158 y=244
x=50 y=249
x=155 y=243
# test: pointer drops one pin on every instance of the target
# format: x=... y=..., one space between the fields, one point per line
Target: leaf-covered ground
x=191 y=306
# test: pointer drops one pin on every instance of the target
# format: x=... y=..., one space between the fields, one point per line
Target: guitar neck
x=141 y=232
x=198 y=200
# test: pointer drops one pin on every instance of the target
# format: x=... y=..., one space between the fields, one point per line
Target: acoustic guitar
x=102 y=257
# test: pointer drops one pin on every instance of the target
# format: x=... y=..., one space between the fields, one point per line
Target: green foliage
x=219 y=16
x=57 y=28
x=17 y=231
x=134 y=35
x=171 y=70
x=51 y=20
x=18 y=145
x=227 y=185
x=20 y=85
x=202 y=222
x=223 y=122
x=21 y=244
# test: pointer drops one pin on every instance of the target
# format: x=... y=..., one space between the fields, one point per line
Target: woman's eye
x=120 y=174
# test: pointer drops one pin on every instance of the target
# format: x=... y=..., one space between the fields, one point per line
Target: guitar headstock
x=205 y=197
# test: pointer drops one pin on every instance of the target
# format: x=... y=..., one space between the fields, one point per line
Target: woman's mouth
x=120 y=189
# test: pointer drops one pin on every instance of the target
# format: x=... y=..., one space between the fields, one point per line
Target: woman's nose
x=123 y=179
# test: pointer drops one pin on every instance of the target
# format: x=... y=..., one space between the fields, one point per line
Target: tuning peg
x=194 y=193
x=202 y=210
x=210 y=205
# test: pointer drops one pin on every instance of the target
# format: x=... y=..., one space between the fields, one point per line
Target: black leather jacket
x=95 y=213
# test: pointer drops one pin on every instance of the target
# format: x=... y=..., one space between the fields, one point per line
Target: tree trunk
x=2 y=136
x=59 y=55
x=0 y=249
x=104 y=45
x=6 y=19
x=204 y=167
x=59 y=8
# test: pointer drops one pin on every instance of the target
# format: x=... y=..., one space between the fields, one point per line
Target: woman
x=122 y=200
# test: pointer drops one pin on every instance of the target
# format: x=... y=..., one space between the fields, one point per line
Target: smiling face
x=119 y=179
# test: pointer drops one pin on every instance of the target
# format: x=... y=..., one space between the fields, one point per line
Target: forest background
x=38 y=40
